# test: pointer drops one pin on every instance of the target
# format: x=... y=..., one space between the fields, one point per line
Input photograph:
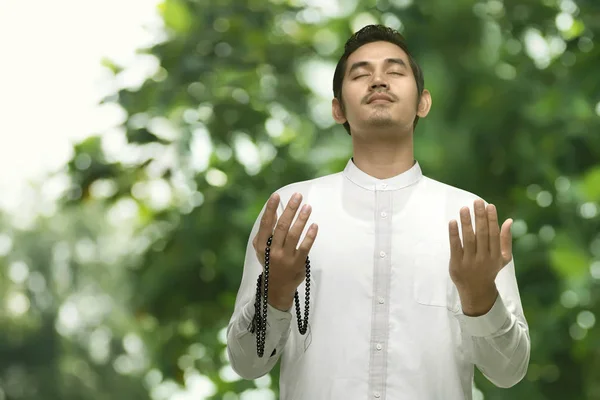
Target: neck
x=383 y=159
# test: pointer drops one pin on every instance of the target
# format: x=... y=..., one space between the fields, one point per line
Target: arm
x=287 y=263
x=482 y=267
x=241 y=344
x=499 y=340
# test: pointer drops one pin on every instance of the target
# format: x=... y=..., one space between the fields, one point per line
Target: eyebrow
x=360 y=64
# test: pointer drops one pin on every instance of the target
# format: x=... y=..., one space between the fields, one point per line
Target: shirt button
x=382 y=254
x=381 y=300
x=379 y=347
x=377 y=395
x=383 y=214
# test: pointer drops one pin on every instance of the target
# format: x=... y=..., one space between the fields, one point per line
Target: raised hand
x=287 y=259
x=475 y=263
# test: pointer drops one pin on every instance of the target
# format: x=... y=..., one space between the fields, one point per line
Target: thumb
x=506 y=241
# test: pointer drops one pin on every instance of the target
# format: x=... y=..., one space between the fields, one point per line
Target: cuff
x=275 y=317
x=487 y=324
x=273 y=314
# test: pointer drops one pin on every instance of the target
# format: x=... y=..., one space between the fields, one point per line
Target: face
x=379 y=91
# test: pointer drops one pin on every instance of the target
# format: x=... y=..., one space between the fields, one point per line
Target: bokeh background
x=140 y=139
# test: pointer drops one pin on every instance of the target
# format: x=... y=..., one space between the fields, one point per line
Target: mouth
x=379 y=99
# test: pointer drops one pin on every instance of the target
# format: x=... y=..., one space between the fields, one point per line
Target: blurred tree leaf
x=176 y=15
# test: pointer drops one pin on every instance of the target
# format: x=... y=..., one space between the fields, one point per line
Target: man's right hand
x=286 y=261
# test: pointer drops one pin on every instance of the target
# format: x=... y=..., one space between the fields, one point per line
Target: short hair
x=370 y=34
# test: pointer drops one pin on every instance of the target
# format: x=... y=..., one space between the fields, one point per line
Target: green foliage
x=132 y=280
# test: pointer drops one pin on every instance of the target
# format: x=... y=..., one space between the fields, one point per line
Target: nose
x=379 y=82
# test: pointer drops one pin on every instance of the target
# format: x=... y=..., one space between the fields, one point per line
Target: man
x=409 y=287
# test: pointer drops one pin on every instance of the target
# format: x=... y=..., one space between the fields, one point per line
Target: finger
x=456 y=249
x=293 y=236
x=469 y=243
x=481 y=227
x=308 y=241
x=506 y=241
x=267 y=223
x=285 y=221
x=494 y=242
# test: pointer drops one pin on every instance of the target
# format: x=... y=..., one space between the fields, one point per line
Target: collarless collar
x=362 y=179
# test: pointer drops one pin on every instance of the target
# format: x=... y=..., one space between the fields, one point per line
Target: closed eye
x=360 y=76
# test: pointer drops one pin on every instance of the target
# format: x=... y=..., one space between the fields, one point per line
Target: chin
x=382 y=122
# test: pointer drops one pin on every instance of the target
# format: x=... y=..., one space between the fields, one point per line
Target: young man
x=409 y=287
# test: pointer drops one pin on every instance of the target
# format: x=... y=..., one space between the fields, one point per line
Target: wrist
x=281 y=300
x=478 y=303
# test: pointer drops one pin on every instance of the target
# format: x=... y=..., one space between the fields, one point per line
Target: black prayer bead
x=259 y=322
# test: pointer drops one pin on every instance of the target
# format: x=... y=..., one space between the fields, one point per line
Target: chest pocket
x=432 y=284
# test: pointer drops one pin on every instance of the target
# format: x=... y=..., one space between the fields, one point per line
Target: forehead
x=376 y=52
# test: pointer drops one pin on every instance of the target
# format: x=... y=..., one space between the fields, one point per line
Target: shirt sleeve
x=499 y=341
x=241 y=343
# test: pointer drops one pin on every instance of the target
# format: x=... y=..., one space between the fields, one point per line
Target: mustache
x=387 y=93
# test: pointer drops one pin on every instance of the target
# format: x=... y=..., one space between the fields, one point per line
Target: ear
x=424 y=104
x=337 y=111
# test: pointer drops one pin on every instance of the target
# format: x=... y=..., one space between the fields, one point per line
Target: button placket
x=381 y=278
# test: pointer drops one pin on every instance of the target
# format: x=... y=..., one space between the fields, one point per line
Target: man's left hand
x=475 y=263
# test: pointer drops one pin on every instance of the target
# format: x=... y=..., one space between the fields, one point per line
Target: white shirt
x=385 y=317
